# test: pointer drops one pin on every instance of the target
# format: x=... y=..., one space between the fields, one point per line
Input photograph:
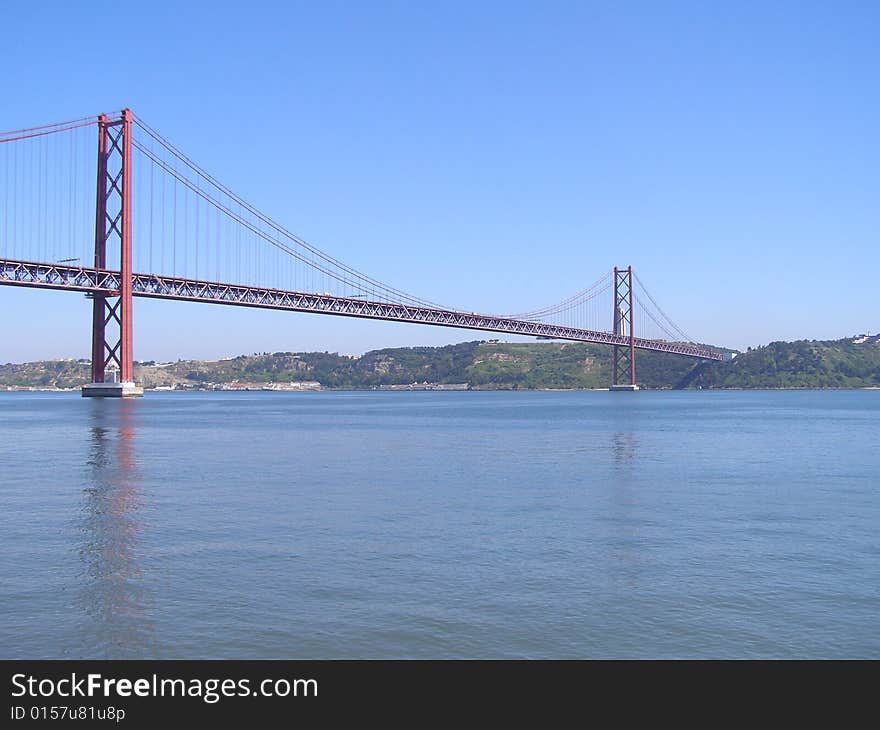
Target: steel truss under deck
x=108 y=283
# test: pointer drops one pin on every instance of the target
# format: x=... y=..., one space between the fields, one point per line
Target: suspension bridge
x=141 y=219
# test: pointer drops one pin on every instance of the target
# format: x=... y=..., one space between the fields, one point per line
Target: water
x=461 y=524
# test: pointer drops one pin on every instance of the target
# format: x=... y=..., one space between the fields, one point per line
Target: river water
x=456 y=524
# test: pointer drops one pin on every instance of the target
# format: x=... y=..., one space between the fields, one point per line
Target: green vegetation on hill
x=848 y=363
x=853 y=362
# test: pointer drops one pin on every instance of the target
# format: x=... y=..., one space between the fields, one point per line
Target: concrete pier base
x=112 y=390
x=625 y=388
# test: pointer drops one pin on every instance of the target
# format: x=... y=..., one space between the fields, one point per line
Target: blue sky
x=497 y=156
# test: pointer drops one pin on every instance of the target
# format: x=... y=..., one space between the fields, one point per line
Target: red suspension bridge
x=158 y=225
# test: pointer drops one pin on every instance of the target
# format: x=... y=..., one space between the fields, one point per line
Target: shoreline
x=420 y=389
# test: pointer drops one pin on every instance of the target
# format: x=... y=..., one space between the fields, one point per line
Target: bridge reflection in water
x=114 y=594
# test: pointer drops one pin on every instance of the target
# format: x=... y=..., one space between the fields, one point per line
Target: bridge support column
x=113 y=226
x=624 y=368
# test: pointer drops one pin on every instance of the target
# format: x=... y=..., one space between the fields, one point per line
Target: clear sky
x=498 y=156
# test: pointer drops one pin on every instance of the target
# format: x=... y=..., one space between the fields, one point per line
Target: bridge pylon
x=624 y=368
x=111 y=313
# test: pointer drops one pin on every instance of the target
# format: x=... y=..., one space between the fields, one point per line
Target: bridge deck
x=83 y=279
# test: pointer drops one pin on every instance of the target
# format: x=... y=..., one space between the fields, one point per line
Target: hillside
x=848 y=363
x=853 y=362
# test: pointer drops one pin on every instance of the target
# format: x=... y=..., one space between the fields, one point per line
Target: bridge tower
x=624 y=355
x=111 y=314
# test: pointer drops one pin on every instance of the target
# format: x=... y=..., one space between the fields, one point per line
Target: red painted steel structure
x=112 y=289
x=624 y=325
x=113 y=213
x=155 y=286
x=99 y=299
